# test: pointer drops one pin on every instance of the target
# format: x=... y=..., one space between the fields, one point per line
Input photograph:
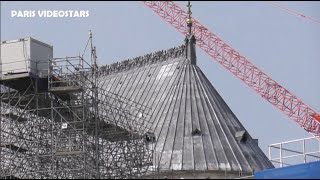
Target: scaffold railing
x=294 y=152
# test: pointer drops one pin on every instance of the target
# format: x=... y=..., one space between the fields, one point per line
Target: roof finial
x=190 y=40
x=189 y=20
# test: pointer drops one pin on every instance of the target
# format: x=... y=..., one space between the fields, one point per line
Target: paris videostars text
x=48 y=14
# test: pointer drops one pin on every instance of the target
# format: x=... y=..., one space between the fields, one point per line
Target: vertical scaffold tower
x=64 y=126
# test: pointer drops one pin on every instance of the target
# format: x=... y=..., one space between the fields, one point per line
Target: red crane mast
x=240 y=66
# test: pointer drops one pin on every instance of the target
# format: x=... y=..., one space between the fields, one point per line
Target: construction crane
x=241 y=67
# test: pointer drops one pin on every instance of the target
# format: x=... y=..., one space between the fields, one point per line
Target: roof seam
x=230 y=132
x=173 y=105
x=221 y=109
x=203 y=102
x=185 y=110
x=249 y=146
x=175 y=135
x=218 y=122
x=190 y=103
x=200 y=114
x=150 y=91
x=171 y=93
x=144 y=84
x=138 y=98
x=196 y=121
x=156 y=93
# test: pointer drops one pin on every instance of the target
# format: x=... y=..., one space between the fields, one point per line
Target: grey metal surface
x=25 y=55
x=194 y=127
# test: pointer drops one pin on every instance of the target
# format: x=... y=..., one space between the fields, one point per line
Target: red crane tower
x=241 y=67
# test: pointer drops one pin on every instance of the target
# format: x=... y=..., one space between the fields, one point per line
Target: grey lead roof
x=194 y=127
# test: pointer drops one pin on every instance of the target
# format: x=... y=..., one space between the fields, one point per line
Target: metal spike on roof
x=189 y=19
x=190 y=40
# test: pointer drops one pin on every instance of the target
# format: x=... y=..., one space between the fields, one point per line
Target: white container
x=25 y=55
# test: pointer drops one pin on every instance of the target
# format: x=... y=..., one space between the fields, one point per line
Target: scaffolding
x=294 y=152
x=65 y=126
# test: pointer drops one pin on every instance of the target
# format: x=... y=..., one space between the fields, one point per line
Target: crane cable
x=293 y=12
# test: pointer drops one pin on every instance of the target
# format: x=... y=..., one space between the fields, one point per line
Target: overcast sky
x=284 y=46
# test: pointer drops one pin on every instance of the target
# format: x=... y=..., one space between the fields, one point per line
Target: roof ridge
x=140 y=61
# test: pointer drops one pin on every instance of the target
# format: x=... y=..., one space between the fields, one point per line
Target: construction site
x=155 y=116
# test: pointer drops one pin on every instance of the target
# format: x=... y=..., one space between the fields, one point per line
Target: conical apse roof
x=194 y=127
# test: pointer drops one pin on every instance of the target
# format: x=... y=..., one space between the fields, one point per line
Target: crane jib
x=241 y=67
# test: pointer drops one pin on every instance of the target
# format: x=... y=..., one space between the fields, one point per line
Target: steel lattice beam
x=240 y=66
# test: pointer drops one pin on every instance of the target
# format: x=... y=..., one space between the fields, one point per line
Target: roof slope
x=194 y=127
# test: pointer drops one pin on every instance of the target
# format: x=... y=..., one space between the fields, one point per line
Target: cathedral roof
x=193 y=126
